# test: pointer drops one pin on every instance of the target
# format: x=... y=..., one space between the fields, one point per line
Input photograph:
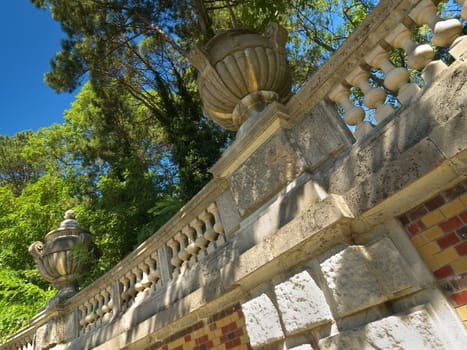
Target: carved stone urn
x=240 y=72
x=67 y=253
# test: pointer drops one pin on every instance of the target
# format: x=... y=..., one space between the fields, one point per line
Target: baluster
x=191 y=247
x=99 y=306
x=209 y=234
x=444 y=31
x=154 y=273
x=418 y=56
x=108 y=304
x=373 y=97
x=218 y=227
x=124 y=293
x=463 y=3
x=175 y=261
x=88 y=318
x=396 y=78
x=352 y=115
x=200 y=241
x=182 y=240
x=144 y=282
x=82 y=309
x=105 y=308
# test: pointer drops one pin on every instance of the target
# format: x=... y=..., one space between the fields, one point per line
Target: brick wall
x=223 y=331
x=438 y=230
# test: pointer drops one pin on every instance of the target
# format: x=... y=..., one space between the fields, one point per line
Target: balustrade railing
x=197 y=230
x=366 y=54
x=419 y=56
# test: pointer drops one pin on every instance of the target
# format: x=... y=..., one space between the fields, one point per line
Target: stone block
x=351 y=282
x=320 y=135
x=302 y=347
x=359 y=277
x=389 y=267
x=414 y=331
x=228 y=212
x=273 y=165
x=262 y=321
x=301 y=303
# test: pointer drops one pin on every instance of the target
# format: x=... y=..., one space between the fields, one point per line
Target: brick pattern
x=438 y=230
x=223 y=331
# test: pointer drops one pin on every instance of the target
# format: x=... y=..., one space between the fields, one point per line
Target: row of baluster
x=396 y=79
x=194 y=241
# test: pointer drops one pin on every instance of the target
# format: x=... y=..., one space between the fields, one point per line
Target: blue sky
x=30 y=39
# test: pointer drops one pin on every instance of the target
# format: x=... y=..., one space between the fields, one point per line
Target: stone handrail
x=387 y=27
x=198 y=229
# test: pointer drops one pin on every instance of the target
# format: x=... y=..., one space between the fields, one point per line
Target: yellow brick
x=432 y=233
x=432 y=263
x=418 y=240
x=447 y=256
x=429 y=249
x=459 y=266
x=433 y=218
x=463 y=199
x=453 y=208
x=462 y=311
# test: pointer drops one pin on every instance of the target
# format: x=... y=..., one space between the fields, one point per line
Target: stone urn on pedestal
x=240 y=73
x=67 y=253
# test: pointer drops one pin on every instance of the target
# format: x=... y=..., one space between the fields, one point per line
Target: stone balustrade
x=367 y=55
x=209 y=221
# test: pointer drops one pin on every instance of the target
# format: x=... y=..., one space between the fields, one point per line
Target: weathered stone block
x=359 y=277
x=302 y=347
x=269 y=168
x=320 y=135
x=389 y=267
x=351 y=282
x=262 y=321
x=301 y=303
x=414 y=331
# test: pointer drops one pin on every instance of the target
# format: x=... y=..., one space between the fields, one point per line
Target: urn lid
x=68 y=227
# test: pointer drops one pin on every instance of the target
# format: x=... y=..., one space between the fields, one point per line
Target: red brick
x=230 y=327
x=451 y=224
x=233 y=343
x=443 y=272
x=187 y=338
x=448 y=240
x=239 y=332
x=165 y=347
x=463 y=216
x=462 y=248
x=435 y=203
x=212 y=326
x=202 y=340
x=180 y=347
x=240 y=313
x=224 y=338
x=210 y=344
x=416 y=227
x=459 y=298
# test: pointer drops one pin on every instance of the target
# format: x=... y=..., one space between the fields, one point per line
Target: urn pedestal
x=66 y=254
